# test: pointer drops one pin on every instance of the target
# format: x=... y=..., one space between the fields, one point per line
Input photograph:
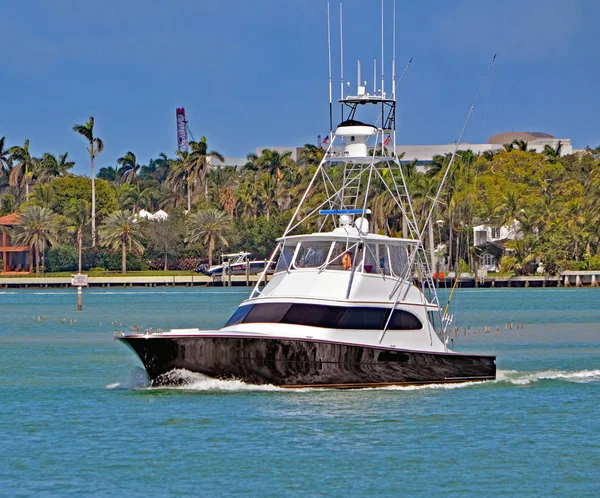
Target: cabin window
x=335 y=258
x=398 y=260
x=239 y=315
x=335 y=317
x=267 y=313
x=285 y=258
x=376 y=259
x=312 y=254
x=403 y=320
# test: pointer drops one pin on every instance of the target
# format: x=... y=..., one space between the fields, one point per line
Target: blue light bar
x=343 y=211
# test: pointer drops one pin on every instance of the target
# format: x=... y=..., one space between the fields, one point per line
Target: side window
x=285 y=258
x=403 y=320
x=239 y=315
x=268 y=313
x=398 y=260
x=363 y=318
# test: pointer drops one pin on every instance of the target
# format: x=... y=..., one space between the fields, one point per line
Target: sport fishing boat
x=346 y=306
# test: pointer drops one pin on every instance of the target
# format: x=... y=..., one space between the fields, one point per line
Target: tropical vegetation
x=551 y=200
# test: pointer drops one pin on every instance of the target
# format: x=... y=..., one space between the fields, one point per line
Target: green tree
x=37 y=227
x=209 y=227
x=553 y=153
x=121 y=230
x=95 y=147
x=165 y=236
x=130 y=169
x=5 y=163
x=23 y=162
x=50 y=167
x=80 y=187
x=198 y=164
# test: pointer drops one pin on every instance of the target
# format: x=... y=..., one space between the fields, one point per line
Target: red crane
x=182 y=129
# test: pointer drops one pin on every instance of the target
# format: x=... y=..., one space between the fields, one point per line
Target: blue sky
x=253 y=73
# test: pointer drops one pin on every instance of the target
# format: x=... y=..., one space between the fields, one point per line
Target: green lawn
x=147 y=273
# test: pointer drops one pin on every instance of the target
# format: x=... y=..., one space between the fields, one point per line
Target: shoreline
x=566 y=279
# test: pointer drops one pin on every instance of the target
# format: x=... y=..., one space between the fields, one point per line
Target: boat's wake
x=525 y=378
x=185 y=380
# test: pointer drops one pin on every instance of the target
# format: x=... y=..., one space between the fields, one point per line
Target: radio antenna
x=342 y=59
x=374 y=76
x=382 y=60
x=329 y=60
x=394 y=51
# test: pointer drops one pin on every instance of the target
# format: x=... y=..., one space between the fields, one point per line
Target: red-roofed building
x=16 y=259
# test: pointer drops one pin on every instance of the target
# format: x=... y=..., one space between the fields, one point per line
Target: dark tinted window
x=363 y=318
x=239 y=315
x=340 y=317
x=269 y=313
x=403 y=320
x=315 y=316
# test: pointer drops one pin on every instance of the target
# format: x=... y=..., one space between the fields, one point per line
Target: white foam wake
x=191 y=381
x=524 y=378
x=185 y=380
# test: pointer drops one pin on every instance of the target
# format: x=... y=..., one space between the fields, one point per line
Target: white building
x=424 y=154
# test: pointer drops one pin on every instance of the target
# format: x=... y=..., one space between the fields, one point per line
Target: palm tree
x=50 y=167
x=270 y=194
x=22 y=172
x=96 y=146
x=178 y=177
x=109 y=174
x=120 y=229
x=158 y=169
x=129 y=169
x=44 y=195
x=208 y=226
x=553 y=153
x=77 y=214
x=4 y=158
x=519 y=144
x=270 y=161
x=198 y=165
x=37 y=227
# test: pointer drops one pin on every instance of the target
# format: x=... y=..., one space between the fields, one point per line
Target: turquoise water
x=76 y=419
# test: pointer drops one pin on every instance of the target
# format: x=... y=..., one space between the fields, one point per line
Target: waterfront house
x=486 y=234
x=15 y=259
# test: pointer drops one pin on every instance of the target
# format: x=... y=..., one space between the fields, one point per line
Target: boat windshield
x=312 y=254
x=381 y=259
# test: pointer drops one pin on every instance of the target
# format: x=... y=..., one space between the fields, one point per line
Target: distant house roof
x=508 y=136
x=10 y=219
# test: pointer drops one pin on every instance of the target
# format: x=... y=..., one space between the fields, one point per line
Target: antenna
x=358 y=81
x=394 y=51
x=382 y=59
x=329 y=57
x=374 y=76
x=342 y=59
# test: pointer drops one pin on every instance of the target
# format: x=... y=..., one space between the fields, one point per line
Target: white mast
x=382 y=59
x=330 y=84
x=341 y=57
x=374 y=76
x=394 y=51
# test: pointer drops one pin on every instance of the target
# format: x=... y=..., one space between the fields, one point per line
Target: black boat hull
x=296 y=363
